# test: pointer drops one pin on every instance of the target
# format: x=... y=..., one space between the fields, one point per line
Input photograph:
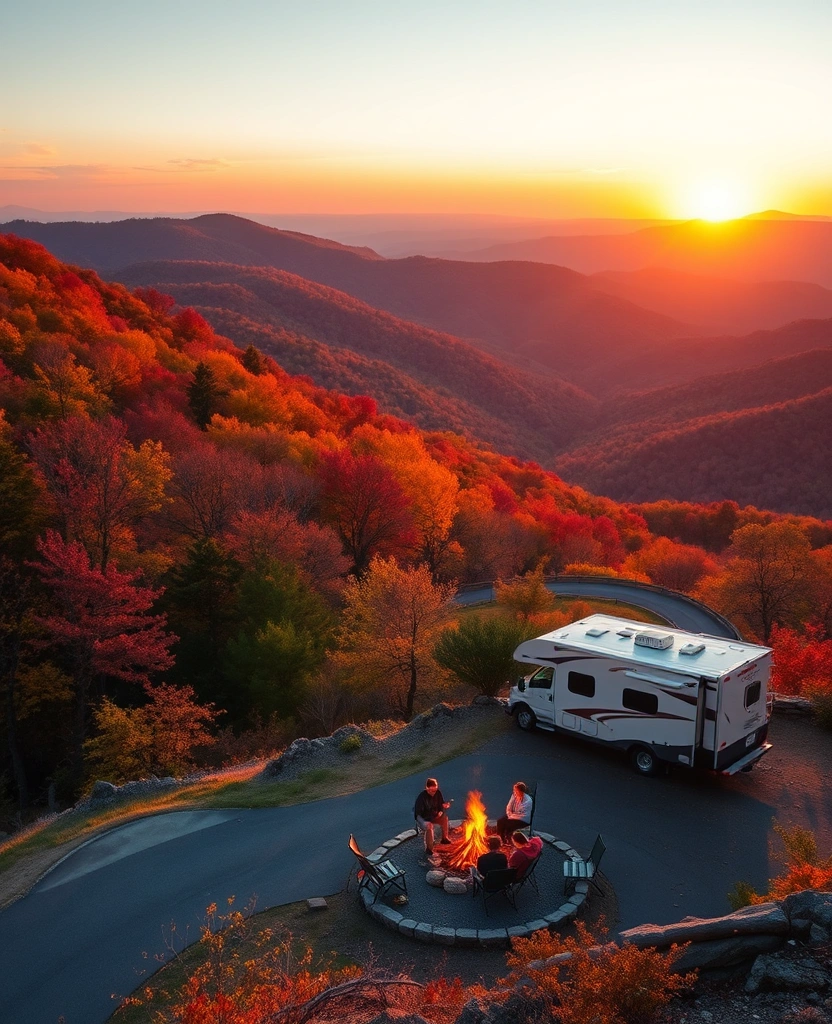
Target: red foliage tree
x=101 y=621
x=800 y=658
x=361 y=499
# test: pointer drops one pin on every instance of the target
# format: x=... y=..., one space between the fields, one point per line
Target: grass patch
x=242 y=789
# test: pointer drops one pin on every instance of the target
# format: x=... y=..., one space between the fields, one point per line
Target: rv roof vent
x=626 y=632
x=658 y=641
x=692 y=649
x=595 y=631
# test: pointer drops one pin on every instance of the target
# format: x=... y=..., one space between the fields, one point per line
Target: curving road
x=676 y=609
x=96 y=925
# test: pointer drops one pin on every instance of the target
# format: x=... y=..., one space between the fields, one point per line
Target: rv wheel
x=525 y=718
x=644 y=761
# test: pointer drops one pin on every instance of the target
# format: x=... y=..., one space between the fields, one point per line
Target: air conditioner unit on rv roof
x=658 y=641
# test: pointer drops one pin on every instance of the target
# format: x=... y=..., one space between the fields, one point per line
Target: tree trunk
x=411 y=690
x=18 y=770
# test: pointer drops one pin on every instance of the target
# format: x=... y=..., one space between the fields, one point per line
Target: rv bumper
x=747 y=763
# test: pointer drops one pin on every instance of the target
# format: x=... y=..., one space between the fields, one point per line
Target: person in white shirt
x=518 y=812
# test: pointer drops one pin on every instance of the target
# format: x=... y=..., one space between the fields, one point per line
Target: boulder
x=435 y=878
x=811 y=906
x=455 y=886
x=763 y=919
x=475 y=1011
x=717 y=953
x=772 y=972
x=103 y=792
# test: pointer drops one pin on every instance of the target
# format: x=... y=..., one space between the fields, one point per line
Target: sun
x=717 y=200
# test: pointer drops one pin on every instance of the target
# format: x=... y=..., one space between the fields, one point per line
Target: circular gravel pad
x=433 y=915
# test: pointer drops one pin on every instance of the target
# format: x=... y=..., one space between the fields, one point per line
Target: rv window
x=542 y=679
x=752 y=694
x=581 y=684
x=638 y=700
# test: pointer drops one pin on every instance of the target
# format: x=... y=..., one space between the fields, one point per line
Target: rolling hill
x=436 y=380
x=758 y=436
x=549 y=315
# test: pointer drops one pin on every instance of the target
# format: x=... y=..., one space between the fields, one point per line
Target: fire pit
x=430 y=916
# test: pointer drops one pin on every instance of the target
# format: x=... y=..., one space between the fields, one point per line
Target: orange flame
x=473 y=843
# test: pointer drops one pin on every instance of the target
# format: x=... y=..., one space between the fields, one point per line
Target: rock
x=763 y=919
x=815 y=907
x=317 y=903
x=436 y=878
x=778 y=973
x=455 y=886
x=818 y=935
x=475 y=1011
x=102 y=792
x=482 y=701
x=726 y=952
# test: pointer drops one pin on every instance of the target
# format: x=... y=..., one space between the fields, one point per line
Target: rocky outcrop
x=104 y=793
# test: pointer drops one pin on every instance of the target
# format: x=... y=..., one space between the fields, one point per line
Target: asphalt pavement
x=101 y=922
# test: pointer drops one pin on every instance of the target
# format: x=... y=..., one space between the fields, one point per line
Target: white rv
x=661 y=695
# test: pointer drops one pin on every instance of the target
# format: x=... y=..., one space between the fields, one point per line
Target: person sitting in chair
x=494 y=860
x=429 y=811
x=525 y=852
x=518 y=811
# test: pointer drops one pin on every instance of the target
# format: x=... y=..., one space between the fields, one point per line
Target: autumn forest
x=202 y=556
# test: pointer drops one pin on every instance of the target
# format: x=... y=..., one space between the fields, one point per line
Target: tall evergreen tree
x=203 y=394
x=253 y=361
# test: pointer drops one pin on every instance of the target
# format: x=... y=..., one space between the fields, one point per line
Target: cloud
x=38 y=149
x=189 y=164
x=60 y=171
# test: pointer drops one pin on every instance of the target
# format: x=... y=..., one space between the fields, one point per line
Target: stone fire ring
x=490 y=936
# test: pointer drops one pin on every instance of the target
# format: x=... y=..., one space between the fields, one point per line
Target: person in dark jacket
x=429 y=811
x=494 y=860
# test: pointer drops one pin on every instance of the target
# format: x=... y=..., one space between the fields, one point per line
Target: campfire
x=465 y=851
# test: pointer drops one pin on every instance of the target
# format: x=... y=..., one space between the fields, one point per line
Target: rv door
x=539 y=690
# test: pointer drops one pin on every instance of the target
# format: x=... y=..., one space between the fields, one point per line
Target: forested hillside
x=201 y=555
x=435 y=380
x=548 y=314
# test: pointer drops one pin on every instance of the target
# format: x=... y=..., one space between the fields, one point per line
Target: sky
x=607 y=108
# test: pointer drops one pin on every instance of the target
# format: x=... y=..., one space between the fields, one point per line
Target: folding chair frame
x=585 y=870
x=379 y=877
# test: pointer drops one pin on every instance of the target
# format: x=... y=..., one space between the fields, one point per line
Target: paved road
x=94 y=926
x=674 y=608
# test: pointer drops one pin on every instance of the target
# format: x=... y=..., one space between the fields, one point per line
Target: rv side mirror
x=521 y=684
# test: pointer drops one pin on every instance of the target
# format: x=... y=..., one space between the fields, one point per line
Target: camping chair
x=376 y=878
x=575 y=870
x=529 y=829
x=528 y=875
x=503 y=880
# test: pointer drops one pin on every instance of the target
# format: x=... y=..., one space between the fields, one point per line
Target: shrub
x=609 y=984
x=819 y=693
x=805 y=869
x=350 y=744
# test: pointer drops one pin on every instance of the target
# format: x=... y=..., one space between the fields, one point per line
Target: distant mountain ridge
x=550 y=314
x=746 y=250
x=716 y=304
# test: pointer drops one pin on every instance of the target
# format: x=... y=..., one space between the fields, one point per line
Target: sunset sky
x=604 y=108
